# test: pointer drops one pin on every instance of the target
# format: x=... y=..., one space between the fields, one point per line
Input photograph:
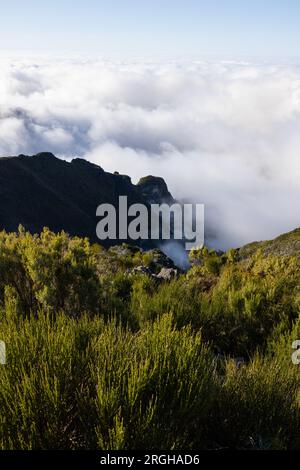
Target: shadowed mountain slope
x=42 y=190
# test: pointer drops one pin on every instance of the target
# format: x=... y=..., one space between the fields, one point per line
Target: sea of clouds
x=226 y=134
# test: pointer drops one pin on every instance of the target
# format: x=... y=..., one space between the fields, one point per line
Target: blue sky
x=226 y=28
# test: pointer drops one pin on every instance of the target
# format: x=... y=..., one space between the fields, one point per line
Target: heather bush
x=258 y=405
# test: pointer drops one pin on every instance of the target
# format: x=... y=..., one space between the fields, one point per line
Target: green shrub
x=50 y=271
x=99 y=357
x=154 y=389
x=259 y=405
x=46 y=367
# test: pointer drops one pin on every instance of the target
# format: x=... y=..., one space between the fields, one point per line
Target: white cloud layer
x=224 y=134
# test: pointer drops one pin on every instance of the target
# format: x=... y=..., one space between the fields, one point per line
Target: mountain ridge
x=286 y=244
x=43 y=190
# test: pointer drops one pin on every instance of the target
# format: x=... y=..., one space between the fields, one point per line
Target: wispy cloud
x=226 y=134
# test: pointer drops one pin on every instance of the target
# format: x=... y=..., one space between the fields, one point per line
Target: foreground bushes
x=50 y=271
x=259 y=405
x=238 y=311
x=81 y=383
x=98 y=357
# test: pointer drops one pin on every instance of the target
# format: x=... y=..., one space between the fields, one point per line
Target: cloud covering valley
x=226 y=134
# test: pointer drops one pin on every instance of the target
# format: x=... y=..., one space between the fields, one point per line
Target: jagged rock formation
x=155 y=190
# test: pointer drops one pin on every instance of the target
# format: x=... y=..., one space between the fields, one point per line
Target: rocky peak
x=155 y=190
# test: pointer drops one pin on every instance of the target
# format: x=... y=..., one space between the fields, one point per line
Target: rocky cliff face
x=155 y=190
x=43 y=190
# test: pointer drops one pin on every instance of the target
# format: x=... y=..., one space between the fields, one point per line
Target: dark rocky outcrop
x=155 y=190
x=42 y=190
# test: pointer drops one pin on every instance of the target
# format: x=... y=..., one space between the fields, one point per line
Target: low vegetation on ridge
x=102 y=354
